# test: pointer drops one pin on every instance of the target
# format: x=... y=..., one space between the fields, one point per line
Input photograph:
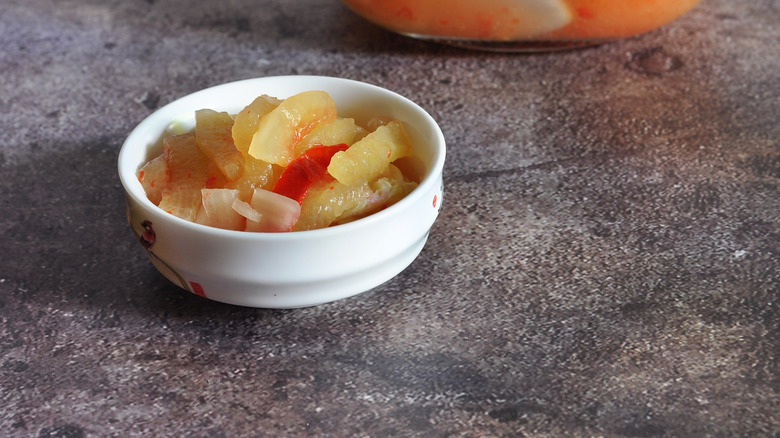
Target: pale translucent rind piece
x=283 y=128
x=213 y=134
x=369 y=157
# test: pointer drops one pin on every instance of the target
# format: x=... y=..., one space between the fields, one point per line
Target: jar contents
x=563 y=21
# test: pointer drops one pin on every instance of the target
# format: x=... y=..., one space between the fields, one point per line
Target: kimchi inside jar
x=517 y=25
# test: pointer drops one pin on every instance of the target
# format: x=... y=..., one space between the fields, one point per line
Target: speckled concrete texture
x=606 y=262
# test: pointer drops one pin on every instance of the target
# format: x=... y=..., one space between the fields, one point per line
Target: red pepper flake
x=585 y=13
x=197 y=289
x=141 y=176
x=310 y=167
x=211 y=182
x=435 y=198
x=405 y=13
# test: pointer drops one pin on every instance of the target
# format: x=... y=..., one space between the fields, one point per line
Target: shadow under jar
x=521 y=25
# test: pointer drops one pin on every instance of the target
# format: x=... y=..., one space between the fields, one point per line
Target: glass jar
x=521 y=25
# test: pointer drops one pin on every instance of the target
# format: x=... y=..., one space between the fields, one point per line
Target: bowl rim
x=428 y=183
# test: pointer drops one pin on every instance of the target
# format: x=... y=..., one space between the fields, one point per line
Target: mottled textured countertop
x=606 y=262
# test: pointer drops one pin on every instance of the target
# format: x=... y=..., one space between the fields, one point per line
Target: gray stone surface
x=606 y=262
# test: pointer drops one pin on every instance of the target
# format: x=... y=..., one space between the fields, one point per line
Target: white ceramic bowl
x=285 y=270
